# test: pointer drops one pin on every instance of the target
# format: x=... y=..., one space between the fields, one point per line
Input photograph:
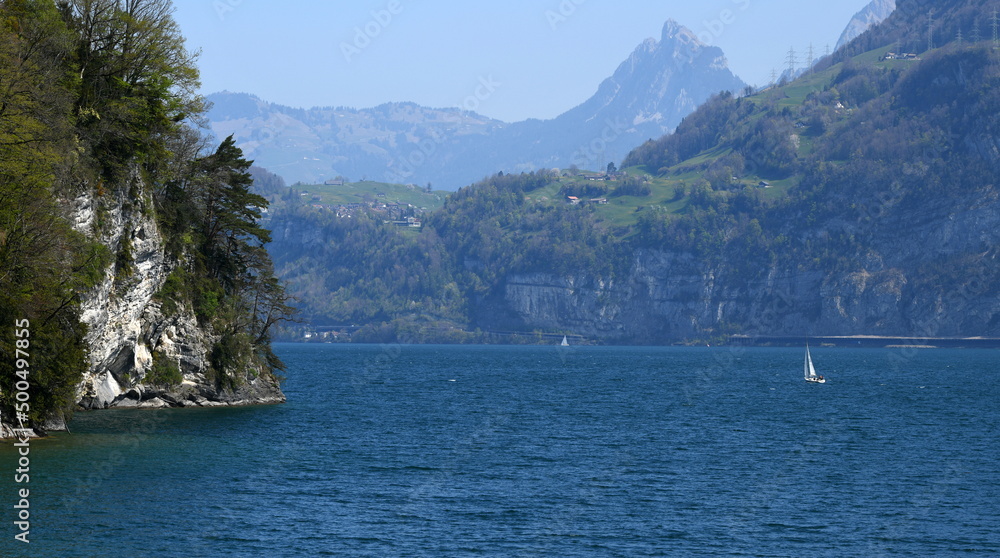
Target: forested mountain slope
x=859 y=199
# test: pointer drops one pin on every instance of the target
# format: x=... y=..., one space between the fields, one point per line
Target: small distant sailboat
x=565 y=342
x=810 y=370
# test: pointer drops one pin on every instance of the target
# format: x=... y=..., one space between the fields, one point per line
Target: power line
x=996 y=27
x=930 y=30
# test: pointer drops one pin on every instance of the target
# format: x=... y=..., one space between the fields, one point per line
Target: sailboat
x=810 y=370
x=565 y=342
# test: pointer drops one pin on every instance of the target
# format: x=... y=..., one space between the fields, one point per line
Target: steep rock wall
x=894 y=286
x=126 y=325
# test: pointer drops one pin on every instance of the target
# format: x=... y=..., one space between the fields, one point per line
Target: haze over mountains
x=649 y=94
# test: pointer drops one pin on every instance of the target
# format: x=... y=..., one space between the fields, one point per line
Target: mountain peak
x=676 y=33
x=872 y=14
x=678 y=46
x=660 y=83
x=671 y=29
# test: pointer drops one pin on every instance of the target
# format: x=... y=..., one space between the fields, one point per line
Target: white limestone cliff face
x=126 y=324
x=114 y=310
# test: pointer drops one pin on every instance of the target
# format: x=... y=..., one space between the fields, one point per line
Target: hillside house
x=411 y=222
x=900 y=56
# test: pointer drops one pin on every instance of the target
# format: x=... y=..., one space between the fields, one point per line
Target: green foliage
x=425 y=286
x=859 y=83
x=696 y=133
x=267 y=183
x=584 y=190
x=845 y=155
x=632 y=186
x=231 y=359
x=43 y=262
x=177 y=290
x=227 y=278
x=123 y=261
x=163 y=372
x=97 y=98
x=137 y=81
x=90 y=263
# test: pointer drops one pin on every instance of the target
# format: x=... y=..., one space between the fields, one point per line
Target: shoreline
x=839 y=341
x=63 y=425
x=869 y=341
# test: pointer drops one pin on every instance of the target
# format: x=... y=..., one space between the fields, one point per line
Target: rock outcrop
x=892 y=288
x=127 y=325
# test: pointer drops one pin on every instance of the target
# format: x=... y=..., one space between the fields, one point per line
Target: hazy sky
x=510 y=60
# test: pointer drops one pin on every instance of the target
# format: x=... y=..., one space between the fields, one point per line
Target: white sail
x=565 y=342
x=810 y=371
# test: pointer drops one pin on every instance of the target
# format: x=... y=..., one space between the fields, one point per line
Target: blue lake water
x=541 y=451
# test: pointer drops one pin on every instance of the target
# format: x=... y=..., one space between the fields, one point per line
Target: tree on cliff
x=136 y=79
x=228 y=276
x=97 y=99
x=44 y=264
x=232 y=252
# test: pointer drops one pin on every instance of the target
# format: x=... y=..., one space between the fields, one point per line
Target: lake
x=541 y=451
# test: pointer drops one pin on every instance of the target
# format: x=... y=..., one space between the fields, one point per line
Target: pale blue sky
x=510 y=60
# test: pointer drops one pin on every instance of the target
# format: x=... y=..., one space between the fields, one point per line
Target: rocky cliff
x=130 y=256
x=127 y=325
x=893 y=287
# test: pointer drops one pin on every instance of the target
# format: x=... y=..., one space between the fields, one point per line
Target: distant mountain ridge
x=649 y=94
x=313 y=145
